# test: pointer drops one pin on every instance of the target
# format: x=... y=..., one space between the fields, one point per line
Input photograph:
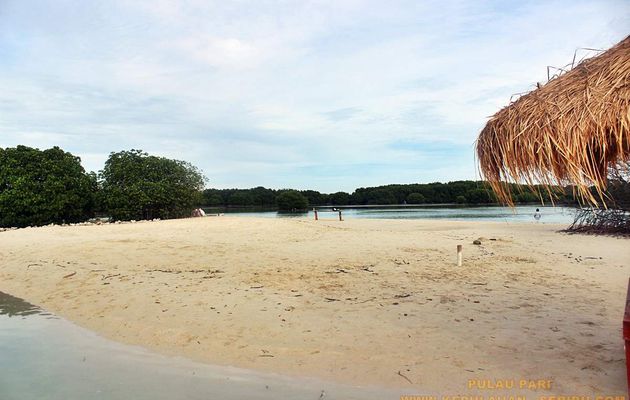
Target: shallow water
x=46 y=357
x=554 y=215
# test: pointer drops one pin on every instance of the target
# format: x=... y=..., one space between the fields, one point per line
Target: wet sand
x=378 y=302
x=47 y=357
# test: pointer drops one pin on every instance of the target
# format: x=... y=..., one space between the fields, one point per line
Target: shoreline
x=418 y=205
x=357 y=301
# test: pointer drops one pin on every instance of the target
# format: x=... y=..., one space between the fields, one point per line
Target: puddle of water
x=46 y=357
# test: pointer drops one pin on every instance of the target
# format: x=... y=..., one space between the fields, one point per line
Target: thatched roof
x=568 y=132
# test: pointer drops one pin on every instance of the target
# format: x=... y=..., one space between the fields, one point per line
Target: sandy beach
x=365 y=302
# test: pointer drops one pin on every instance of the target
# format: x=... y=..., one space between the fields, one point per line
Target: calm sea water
x=560 y=215
x=46 y=357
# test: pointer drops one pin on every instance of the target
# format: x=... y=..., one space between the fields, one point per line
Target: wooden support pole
x=459 y=255
x=316 y=216
x=340 y=218
x=626 y=335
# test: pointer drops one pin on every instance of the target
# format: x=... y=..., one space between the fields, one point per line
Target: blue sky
x=328 y=95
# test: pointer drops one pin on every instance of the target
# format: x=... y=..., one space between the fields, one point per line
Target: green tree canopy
x=340 y=199
x=42 y=187
x=241 y=198
x=212 y=199
x=416 y=198
x=315 y=197
x=292 y=200
x=480 y=196
x=136 y=185
x=473 y=192
x=381 y=196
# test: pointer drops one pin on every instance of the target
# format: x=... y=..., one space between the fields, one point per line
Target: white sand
x=356 y=301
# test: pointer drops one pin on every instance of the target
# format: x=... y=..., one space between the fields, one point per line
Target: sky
x=324 y=95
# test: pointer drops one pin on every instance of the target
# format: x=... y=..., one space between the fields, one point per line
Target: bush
x=315 y=198
x=213 y=200
x=460 y=199
x=416 y=198
x=340 y=199
x=241 y=198
x=292 y=200
x=526 y=197
x=380 y=197
x=42 y=187
x=480 y=196
x=137 y=186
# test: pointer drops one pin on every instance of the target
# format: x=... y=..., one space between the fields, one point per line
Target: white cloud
x=221 y=52
x=324 y=93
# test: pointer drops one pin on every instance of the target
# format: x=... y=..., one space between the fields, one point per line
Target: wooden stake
x=340 y=218
x=316 y=217
x=459 y=255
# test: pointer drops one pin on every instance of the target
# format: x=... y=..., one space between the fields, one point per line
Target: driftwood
x=614 y=218
x=601 y=221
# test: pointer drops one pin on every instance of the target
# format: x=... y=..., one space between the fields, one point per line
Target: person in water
x=537 y=215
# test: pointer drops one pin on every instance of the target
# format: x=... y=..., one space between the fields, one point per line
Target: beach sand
x=366 y=302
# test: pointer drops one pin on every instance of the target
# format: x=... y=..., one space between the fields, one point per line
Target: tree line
x=457 y=192
x=39 y=187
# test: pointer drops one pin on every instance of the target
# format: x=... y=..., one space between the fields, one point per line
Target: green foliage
x=42 y=187
x=469 y=192
x=292 y=200
x=315 y=197
x=340 y=199
x=241 y=198
x=212 y=200
x=480 y=196
x=137 y=186
x=381 y=196
x=263 y=197
x=526 y=197
x=50 y=186
x=416 y=198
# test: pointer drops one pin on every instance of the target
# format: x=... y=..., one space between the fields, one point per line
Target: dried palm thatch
x=567 y=132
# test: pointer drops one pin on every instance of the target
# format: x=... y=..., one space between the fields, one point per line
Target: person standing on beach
x=537 y=215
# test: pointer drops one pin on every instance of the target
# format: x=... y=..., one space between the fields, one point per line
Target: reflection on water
x=50 y=358
x=13 y=306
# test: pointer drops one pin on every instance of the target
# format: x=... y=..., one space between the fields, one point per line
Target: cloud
x=341 y=114
x=326 y=95
x=220 y=52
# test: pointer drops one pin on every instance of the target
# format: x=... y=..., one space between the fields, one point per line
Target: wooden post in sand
x=459 y=255
x=316 y=217
x=340 y=218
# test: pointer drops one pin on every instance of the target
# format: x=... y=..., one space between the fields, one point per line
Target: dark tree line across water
x=39 y=187
x=457 y=192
